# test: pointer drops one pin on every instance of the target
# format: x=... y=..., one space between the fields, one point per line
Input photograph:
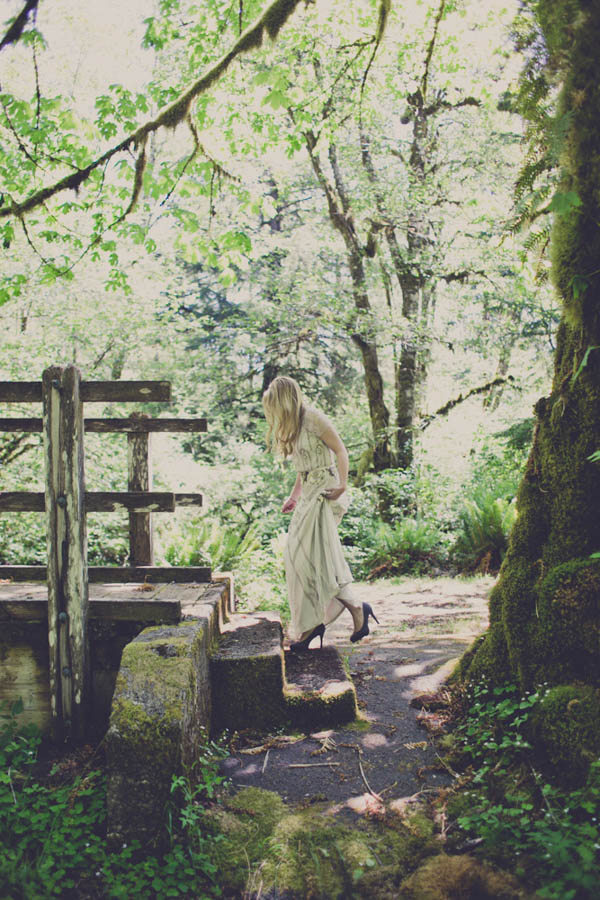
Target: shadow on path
x=425 y=625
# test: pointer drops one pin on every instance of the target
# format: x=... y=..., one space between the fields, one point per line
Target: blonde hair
x=283 y=404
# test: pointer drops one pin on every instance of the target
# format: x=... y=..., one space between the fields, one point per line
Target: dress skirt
x=317 y=573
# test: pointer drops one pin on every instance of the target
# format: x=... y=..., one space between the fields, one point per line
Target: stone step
x=319 y=693
x=255 y=685
x=246 y=672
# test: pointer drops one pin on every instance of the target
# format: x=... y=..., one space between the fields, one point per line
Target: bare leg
x=355 y=610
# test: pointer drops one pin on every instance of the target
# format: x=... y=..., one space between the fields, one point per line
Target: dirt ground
x=388 y=756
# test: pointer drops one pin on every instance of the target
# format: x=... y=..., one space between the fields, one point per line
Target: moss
x=266 y=847
x=568 y=625
x=489 y=658
x=247 y=693
x=565 y=727
x=314 y=856
x=243 y=825
x=310 y=710
x=446 y=877
x=152 y=741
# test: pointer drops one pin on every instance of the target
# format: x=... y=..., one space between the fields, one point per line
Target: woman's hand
x=289 y=505
x=334 y=493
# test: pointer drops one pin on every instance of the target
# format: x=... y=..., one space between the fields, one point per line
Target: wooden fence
x=65 y=503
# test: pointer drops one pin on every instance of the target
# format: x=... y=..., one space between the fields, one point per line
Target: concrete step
x=255 y=685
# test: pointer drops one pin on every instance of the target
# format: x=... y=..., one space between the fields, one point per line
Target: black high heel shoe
x=363 y=632
x=300 y=646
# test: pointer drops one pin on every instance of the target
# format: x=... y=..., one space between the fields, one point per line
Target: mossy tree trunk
x=545 y=608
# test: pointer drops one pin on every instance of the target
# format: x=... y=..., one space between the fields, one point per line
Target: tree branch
x=430 y=48
x=271 y=22
x=16 y=29
x=443 y=410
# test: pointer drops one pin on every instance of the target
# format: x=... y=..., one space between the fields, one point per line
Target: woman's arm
x=291 y=501
x=331 y=438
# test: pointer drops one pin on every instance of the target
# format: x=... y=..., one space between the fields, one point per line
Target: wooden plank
x=91 y=391
x=26 y=609
x=24 y=675
x=134 y=501
x=20 y=392
x=135 y=610
x=188 y=499
x=137 y=425
x=67 y=552
x=119 y=574
x=95 y=501
x=153 y=574
x=30 y=425
x=33 y=425
x=139 y=474
x=125 y=391
x=23 y=573
x=22 y=501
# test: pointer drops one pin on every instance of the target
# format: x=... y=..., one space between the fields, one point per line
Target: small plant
x=551 y=833
x=52 y=831
x=485 y=523
x=207 y=542
x=411 y=545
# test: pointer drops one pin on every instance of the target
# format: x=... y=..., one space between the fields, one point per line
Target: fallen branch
x=311 y=765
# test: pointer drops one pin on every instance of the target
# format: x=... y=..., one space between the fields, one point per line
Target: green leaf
x=563 y=203
x=583 y=363
x=276 y=99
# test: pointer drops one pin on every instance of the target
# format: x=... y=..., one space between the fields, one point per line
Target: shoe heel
x=369 y=610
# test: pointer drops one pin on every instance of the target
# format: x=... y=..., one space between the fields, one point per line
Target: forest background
x=341 y=208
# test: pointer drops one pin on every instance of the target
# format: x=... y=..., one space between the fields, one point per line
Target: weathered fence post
x=141 y=544
x=67 y=550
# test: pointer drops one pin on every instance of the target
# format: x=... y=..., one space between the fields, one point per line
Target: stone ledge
x=160 y=714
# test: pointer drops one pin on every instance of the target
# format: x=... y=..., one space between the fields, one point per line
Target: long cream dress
x=316 y=571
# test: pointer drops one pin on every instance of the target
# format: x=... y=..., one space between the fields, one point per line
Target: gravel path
x=425 y=625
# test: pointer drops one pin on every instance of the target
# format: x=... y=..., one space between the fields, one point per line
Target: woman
x=318 y=577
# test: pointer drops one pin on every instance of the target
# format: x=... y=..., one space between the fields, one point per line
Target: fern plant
x=209 y=543
x=410 y=545
x=485 y=523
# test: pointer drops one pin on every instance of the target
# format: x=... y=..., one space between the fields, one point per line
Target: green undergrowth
x=522 y=813
x=53 y=829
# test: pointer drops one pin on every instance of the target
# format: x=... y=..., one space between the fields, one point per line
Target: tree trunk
x=341 y=219
x=545 y=608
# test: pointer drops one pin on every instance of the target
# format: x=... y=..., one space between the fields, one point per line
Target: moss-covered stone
x=247 y=676
x=266 y=848
x=448 y=877
x=566 y=724
x=159 y=719
x=242 y=825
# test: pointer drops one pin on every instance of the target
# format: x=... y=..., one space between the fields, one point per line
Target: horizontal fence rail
x=92 y=391
x=103 y=501
x=118 y=574
x=134 y=425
